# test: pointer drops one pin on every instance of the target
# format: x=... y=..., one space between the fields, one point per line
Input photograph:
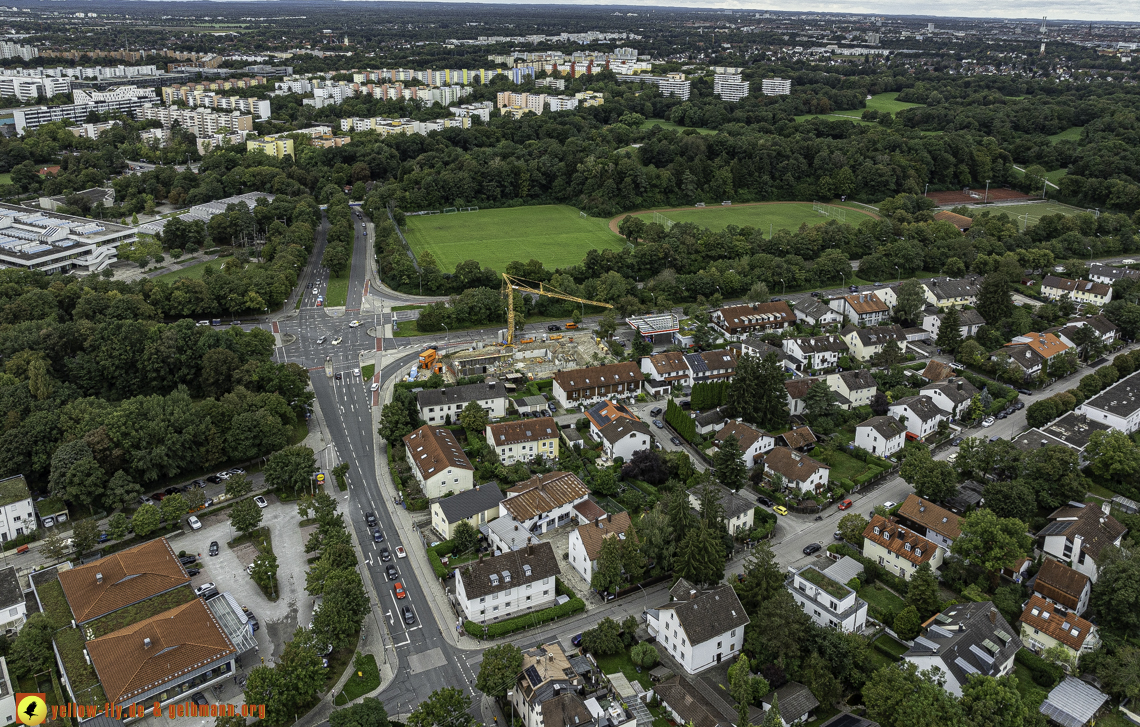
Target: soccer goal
x=583 y=215
x=468 y=209
x=449 y=210
x=663 y=220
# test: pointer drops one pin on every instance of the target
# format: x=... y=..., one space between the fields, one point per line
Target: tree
x=758 y=293
x=604 y=639
x=704 y=335
x=728 y=464
x=446 y=707
x=745 y=688
x=880 y=404
x=336 y=258
x=607 y=576
x=465 y=537
x=238 y=486
x=118 y=526
x=922 y=592
x=700 y=558
x=820 y=404
x=173 y=508
x=1012 y=498
x=474 y=418
x=291 y=683
x=907 y=623
x=32 y=652
x=655 y=538
x=643 y=655
x=631 y=228
x=264 y=572
x=757 y=391
x=245 y=516
x=852 y=526
x=607 y=325
x=501 y=666
x=910 y=300
x=889 y=355
x=291 y=468
x=395 y=424
x=763 y=578
x=344 y=607
x=145 y=520
x=772 y=716
x=932 y=479
x=121 y=491
x=1116 y=593
x=369 y=712
x=991 y=543
x=993 y=702
x=1119 y=671
x=604 y=483
x=195 y=499
x=85 y=533
x=994 y=301
x=1113 y=454
x=901 y=696
x=950 y=331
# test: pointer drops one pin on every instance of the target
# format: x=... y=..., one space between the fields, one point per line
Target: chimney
x=516 y=527
x=993 y=615
x=1106 y=506
x=959 y=385
x=146 y=643
x=529 y=547
x=98 y=577
x=1078 y=543
x=692 y=594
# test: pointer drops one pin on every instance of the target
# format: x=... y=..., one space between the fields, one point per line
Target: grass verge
x=195 y=272
x=367 y=371
x=365 y=678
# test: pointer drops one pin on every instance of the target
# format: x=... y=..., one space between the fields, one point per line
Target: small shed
x=1073 y=703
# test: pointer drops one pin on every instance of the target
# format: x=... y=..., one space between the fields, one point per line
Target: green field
x=1073 y=133
x=194 y=271
x=776 y=216
x=1035 y=210
x=6 y=178
x=670 y=125
x=881 y=102
x=555 y=234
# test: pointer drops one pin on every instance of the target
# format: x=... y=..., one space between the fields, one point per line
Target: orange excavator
x=429 y=361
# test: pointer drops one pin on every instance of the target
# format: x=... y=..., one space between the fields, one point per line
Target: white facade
x=828 y=603
x=729 y=87
x=504 y=603
x=1116 y=406
x=29 y=89
x=694 y=658
x=776 y=86
x=622 y=438
x=914 y=422
x=8 y=700
x=16 y=519
x=876 y=442
x=448 y=479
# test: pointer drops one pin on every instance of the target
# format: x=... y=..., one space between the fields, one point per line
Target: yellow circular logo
x=32 y=710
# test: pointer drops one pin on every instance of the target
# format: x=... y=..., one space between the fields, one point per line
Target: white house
x=897 y=548
x=506 y=585
x=861 y=309
x=799 y=471
x=739 y=513
x=543 y=502
x=619 y=430
x=665 y=370
x=1076 y=536
x=852 y=388
x=1118 y=406
x=438 y=462
x=476 y=506
x=814 y=353
x=13 y=609
x=752 y=442
x=966 y=639
x=969 y=321
x=950 y=292
x=866 y=342
x=523 y=440
x=919 y=413
x=814 y=312
x=882 y=436
x=952 y=395
x=828 y=602
x=17 y=514
x=699 y=629
x=436 y=405
x=586 y=541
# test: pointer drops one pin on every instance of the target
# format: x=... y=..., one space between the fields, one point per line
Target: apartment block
x=729 y=87
x=776 y=87
x=275 y=146
x=29 y=89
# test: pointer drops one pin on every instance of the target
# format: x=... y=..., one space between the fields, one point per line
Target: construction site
x=534 y=359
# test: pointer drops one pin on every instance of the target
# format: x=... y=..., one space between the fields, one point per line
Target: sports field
x=765 y=216
x=1035 y=210
x=670 y=125
x=555 y=234
x=881 y=102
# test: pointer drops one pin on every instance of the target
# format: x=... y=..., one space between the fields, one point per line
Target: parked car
x=576 y=640
x=214 y=548
x=676 y=442
x=1024 y=392
x=204 y=588
x=1019 y=406
x=956 y=441
x=988 y=422
x=145 y=500
x=1002 y=415
x=158 y=496
x=253 y=622
x=194 y=523
x=198 y=483
x=213 y=479
x=198 y=698
x=812 y=548
x=889 y=504
x=224 y=475
x=815 y=294
x=370 y=519
x=104 y=537
x=399 y=590
x=409 y=615
x=655 y=411
x=237 y=471
x=171 y=490
x=391 y=572
x=261 y=502
x=780 y=510
x=837 y=535
x=657 y=423
x=188 y=559
x=994 y=438
x=845 y=504
x=765 y=501
x=192 y=571
x=554 y=327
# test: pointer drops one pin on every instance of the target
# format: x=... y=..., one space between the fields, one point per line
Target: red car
x=845 y=504
x=399 y=587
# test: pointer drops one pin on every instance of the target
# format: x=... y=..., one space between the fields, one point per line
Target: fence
x=407 y=247
x=663 y=220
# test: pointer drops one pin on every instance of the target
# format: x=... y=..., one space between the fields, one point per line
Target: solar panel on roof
x=532 y=676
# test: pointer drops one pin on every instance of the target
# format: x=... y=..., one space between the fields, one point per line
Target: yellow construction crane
x=511 y=284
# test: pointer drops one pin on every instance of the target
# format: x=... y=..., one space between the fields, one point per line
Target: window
x=496 y=608
x=483 y=599
x=718 y=644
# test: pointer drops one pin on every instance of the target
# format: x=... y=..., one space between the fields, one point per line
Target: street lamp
x=987 y=199
x=784 y=289
x=898 y=275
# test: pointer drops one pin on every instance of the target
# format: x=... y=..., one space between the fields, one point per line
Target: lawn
x=670 y=125
x=766 y=217
x=882 y=102
x=367 y=371
x=1073 y=133
x=897 y=648
x=194 y=271
x=621 y=662
x=336 y=293
x=1031 y=694
x=555 y=234
x=6 y=178
x=357 y=685
x=876 y=594
x=1034 y=210
x=844 y=466
x=141 y=611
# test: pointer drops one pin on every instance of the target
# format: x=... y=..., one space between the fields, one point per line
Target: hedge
x=447 y=547
x=866 y=476
x=681 y=422
x=709 y=395
x=645 y=487
x=518 y=623
x=1044 y=674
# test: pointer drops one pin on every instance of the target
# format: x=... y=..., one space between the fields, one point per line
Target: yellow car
x=780 y=510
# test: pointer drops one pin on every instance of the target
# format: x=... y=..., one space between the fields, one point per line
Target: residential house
x=866 y=342
x=881 y=436
x=799 y=471
x=567 y=708
x=814 y=312
x=969 y=321
x=797 y=389
x=1118 y=406
x=861 y=309
x=938 y=371
x=815 y=353
x=543 y=502
x=476 y=506
x=1082 y=291
x=524 y=440
x=17 y=514
x=438 y=462
x=699 y=629
x=826 y=601
x=1107 y=274
x=801 y=439
x=852 y=388
x=582 y=387
x=965 y=639
x=847 y=719
x=1046 y=625
x=889 y=294
x=1060 y=584
x=962 y=222
x=919 y=413
x=753 y=443
x=1073 y=703
x=936 y=524
x=586 y=541
x=795 y=702
x=753 y=346
x=1073 y=430
x=949 y=292
x=13 y=608
x=738 y=511
x=711 y=366
x=663 y=371
x=1103 y=329
x=734 y=322
x=507 y=585
x=694 y=703
x=8 y=698
x=712 y=420
x=1077 y=534
x=436 y=405
x=952 y=396
x=898 y=548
